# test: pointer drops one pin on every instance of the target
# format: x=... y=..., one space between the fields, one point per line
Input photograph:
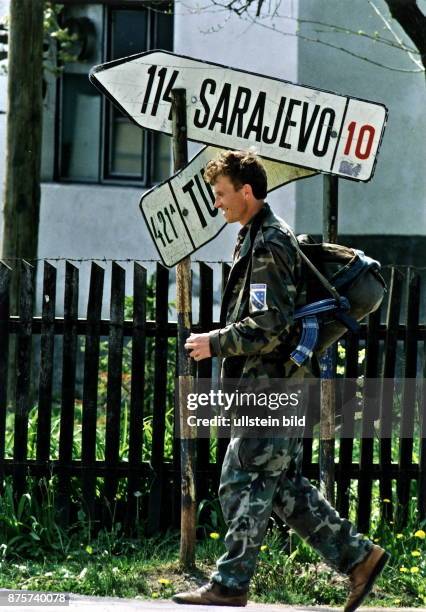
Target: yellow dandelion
x=399 y=536
x=214 y=535
x=264 y=547
x=403 y=569
x=154 y=595
x=414 y=570
x=415 y=553
x=386 y=500
x=164 y=581
x=420 y=534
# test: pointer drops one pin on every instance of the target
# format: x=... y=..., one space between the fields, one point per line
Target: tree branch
x=376 y=37
x=253 y=21
x=242 y=9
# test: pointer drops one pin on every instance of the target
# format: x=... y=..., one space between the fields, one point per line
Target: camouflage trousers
x=260 y=476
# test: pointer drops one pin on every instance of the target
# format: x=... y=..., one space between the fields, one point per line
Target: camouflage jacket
x=264 y=286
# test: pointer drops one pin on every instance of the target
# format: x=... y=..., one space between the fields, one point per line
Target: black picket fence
x=89 y=401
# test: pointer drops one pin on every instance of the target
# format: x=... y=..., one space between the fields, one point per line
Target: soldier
x=263 y=475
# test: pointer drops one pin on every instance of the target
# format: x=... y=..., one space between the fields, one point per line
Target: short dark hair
x=242 y=167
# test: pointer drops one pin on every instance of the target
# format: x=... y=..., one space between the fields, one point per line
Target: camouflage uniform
x=261 y=475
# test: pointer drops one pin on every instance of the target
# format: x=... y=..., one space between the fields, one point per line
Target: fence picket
x=46 y=363
x=204 y=370
x=115 y=365
x=312 y=418
x=222 y=443
x=387 y=397
x=421 y=497
x=160 y=397
x=176 y=487
x=5 y=274
x=69 y=361
x=408 y=400
x=137 y=394
x=365 y=482
x=90 y=388
x=23 y=377
x=347 y=430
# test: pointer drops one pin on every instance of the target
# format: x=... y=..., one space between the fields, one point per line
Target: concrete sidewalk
x=84 y=603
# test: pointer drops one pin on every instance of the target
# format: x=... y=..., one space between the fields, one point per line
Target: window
x=96 y=142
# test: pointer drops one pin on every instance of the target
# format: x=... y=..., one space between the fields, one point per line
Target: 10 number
x=362 y=150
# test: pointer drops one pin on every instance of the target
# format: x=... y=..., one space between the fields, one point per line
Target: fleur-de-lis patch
x=258 y=297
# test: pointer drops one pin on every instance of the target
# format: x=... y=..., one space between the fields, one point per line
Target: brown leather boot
x=364 y=575
x=213 y=594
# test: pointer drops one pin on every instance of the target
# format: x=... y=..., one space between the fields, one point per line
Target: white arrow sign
x=180 y=214
x=231 y=108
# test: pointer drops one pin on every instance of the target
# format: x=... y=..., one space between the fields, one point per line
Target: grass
x=36 y=553
x=302 y=577
x=150 y=569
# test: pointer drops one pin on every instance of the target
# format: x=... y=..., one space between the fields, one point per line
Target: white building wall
x=394 y=201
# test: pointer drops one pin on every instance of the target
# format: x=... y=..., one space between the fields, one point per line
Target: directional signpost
x=180 y=214
x=232 y=108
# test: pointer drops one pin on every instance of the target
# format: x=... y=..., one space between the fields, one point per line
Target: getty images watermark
x=368 y=408
x=231 y=402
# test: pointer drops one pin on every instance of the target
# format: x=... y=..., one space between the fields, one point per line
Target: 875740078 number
x=18 y=598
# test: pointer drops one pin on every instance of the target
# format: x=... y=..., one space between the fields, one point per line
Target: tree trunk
x=24 y=131
x=412 y=21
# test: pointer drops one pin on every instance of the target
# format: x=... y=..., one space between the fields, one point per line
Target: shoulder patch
x=258 y=296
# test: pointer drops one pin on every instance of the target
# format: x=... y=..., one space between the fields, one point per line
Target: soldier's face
x=232 y=202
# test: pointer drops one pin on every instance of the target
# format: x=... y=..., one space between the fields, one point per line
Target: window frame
x=105 y=176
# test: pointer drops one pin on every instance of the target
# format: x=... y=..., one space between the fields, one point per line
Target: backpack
x=350 y=277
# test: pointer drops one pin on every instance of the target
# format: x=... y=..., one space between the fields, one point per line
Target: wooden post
x=21 y=202
x=24 y=130
x=185 y=375
x=328 y=361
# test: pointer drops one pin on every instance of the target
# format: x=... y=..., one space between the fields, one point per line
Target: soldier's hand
x=198 y=346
